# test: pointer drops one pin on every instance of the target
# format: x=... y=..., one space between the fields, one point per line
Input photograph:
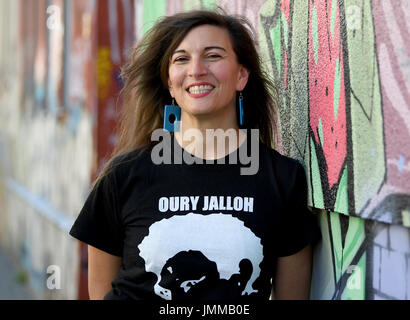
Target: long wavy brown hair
x=145 y=76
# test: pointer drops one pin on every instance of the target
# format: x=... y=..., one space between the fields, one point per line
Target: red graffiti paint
x=326 y=86
x=113 y=41
x=285 y=9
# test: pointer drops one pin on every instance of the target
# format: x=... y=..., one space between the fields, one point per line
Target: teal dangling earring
x=241 y=113
x=172 y=117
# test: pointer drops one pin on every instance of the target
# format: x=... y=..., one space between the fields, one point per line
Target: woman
x=205 y=229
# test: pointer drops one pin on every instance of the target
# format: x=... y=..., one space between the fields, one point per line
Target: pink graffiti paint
x=285 y=9
x=248 y=8
x=174 y=6
x=327 y=104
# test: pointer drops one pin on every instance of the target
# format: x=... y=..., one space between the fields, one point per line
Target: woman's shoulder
x=126 y=163
x=288 y=172
x=130 y=157
x=280 y=161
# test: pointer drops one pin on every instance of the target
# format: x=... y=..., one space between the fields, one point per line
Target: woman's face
x=204 y=74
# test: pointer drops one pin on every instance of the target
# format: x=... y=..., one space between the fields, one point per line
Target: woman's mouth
x=198 y=91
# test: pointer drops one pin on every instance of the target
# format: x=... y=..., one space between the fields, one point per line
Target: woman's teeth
x=200 y=89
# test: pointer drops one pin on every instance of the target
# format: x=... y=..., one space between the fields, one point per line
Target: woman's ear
x=170 y=88
x=243 y=76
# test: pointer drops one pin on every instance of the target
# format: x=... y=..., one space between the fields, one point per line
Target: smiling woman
x=166 y=53
x=204 y=76
x=199 y=230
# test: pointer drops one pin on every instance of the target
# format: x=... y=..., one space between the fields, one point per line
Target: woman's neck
x=209 y=138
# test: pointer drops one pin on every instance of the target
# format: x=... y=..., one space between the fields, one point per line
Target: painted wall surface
x=344 y=81
x=58 y=111
x=46 y=138
x=343 y=73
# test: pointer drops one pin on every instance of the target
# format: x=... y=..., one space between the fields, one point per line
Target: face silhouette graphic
x=189 y=275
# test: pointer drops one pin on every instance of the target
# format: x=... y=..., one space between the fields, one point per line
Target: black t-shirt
x=197 y=231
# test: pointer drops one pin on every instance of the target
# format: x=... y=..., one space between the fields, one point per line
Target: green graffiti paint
x=152 y=11
x=283 y=106
x=192 y=5
x=354 y=238
x=199 y=4
x=306 y=159
x=277 y=48
x=337 y=242
x=336 y=88
x=208 y=4
x=405 y=215
x=355 y=288
x=333 y=16
x=285 y=29
x=315 y=176
x=320 y=127
x=342 y=200
x=366 y=114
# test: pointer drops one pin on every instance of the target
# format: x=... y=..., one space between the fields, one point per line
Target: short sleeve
x=98 y=223
x=298 y=226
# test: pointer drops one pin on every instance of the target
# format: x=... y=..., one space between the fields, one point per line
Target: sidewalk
x=10 y=286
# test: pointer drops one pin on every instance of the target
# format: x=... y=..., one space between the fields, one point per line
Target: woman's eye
x=213 y=55
x=180 y=59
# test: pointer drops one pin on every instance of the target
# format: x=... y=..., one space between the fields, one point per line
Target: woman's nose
x=197 y=67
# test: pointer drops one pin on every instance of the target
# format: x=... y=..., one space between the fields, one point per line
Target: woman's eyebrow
x=214 y=47
x=206 y=49
x=179 y=51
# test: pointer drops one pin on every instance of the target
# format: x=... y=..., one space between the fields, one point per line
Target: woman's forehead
x=206 y=36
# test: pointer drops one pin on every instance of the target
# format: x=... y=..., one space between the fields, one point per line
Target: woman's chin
x=200 y=111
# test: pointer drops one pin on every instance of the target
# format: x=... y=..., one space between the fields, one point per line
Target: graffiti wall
x=343 y=79
x=59 y=76
x=342 y=69
x=46 y=137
